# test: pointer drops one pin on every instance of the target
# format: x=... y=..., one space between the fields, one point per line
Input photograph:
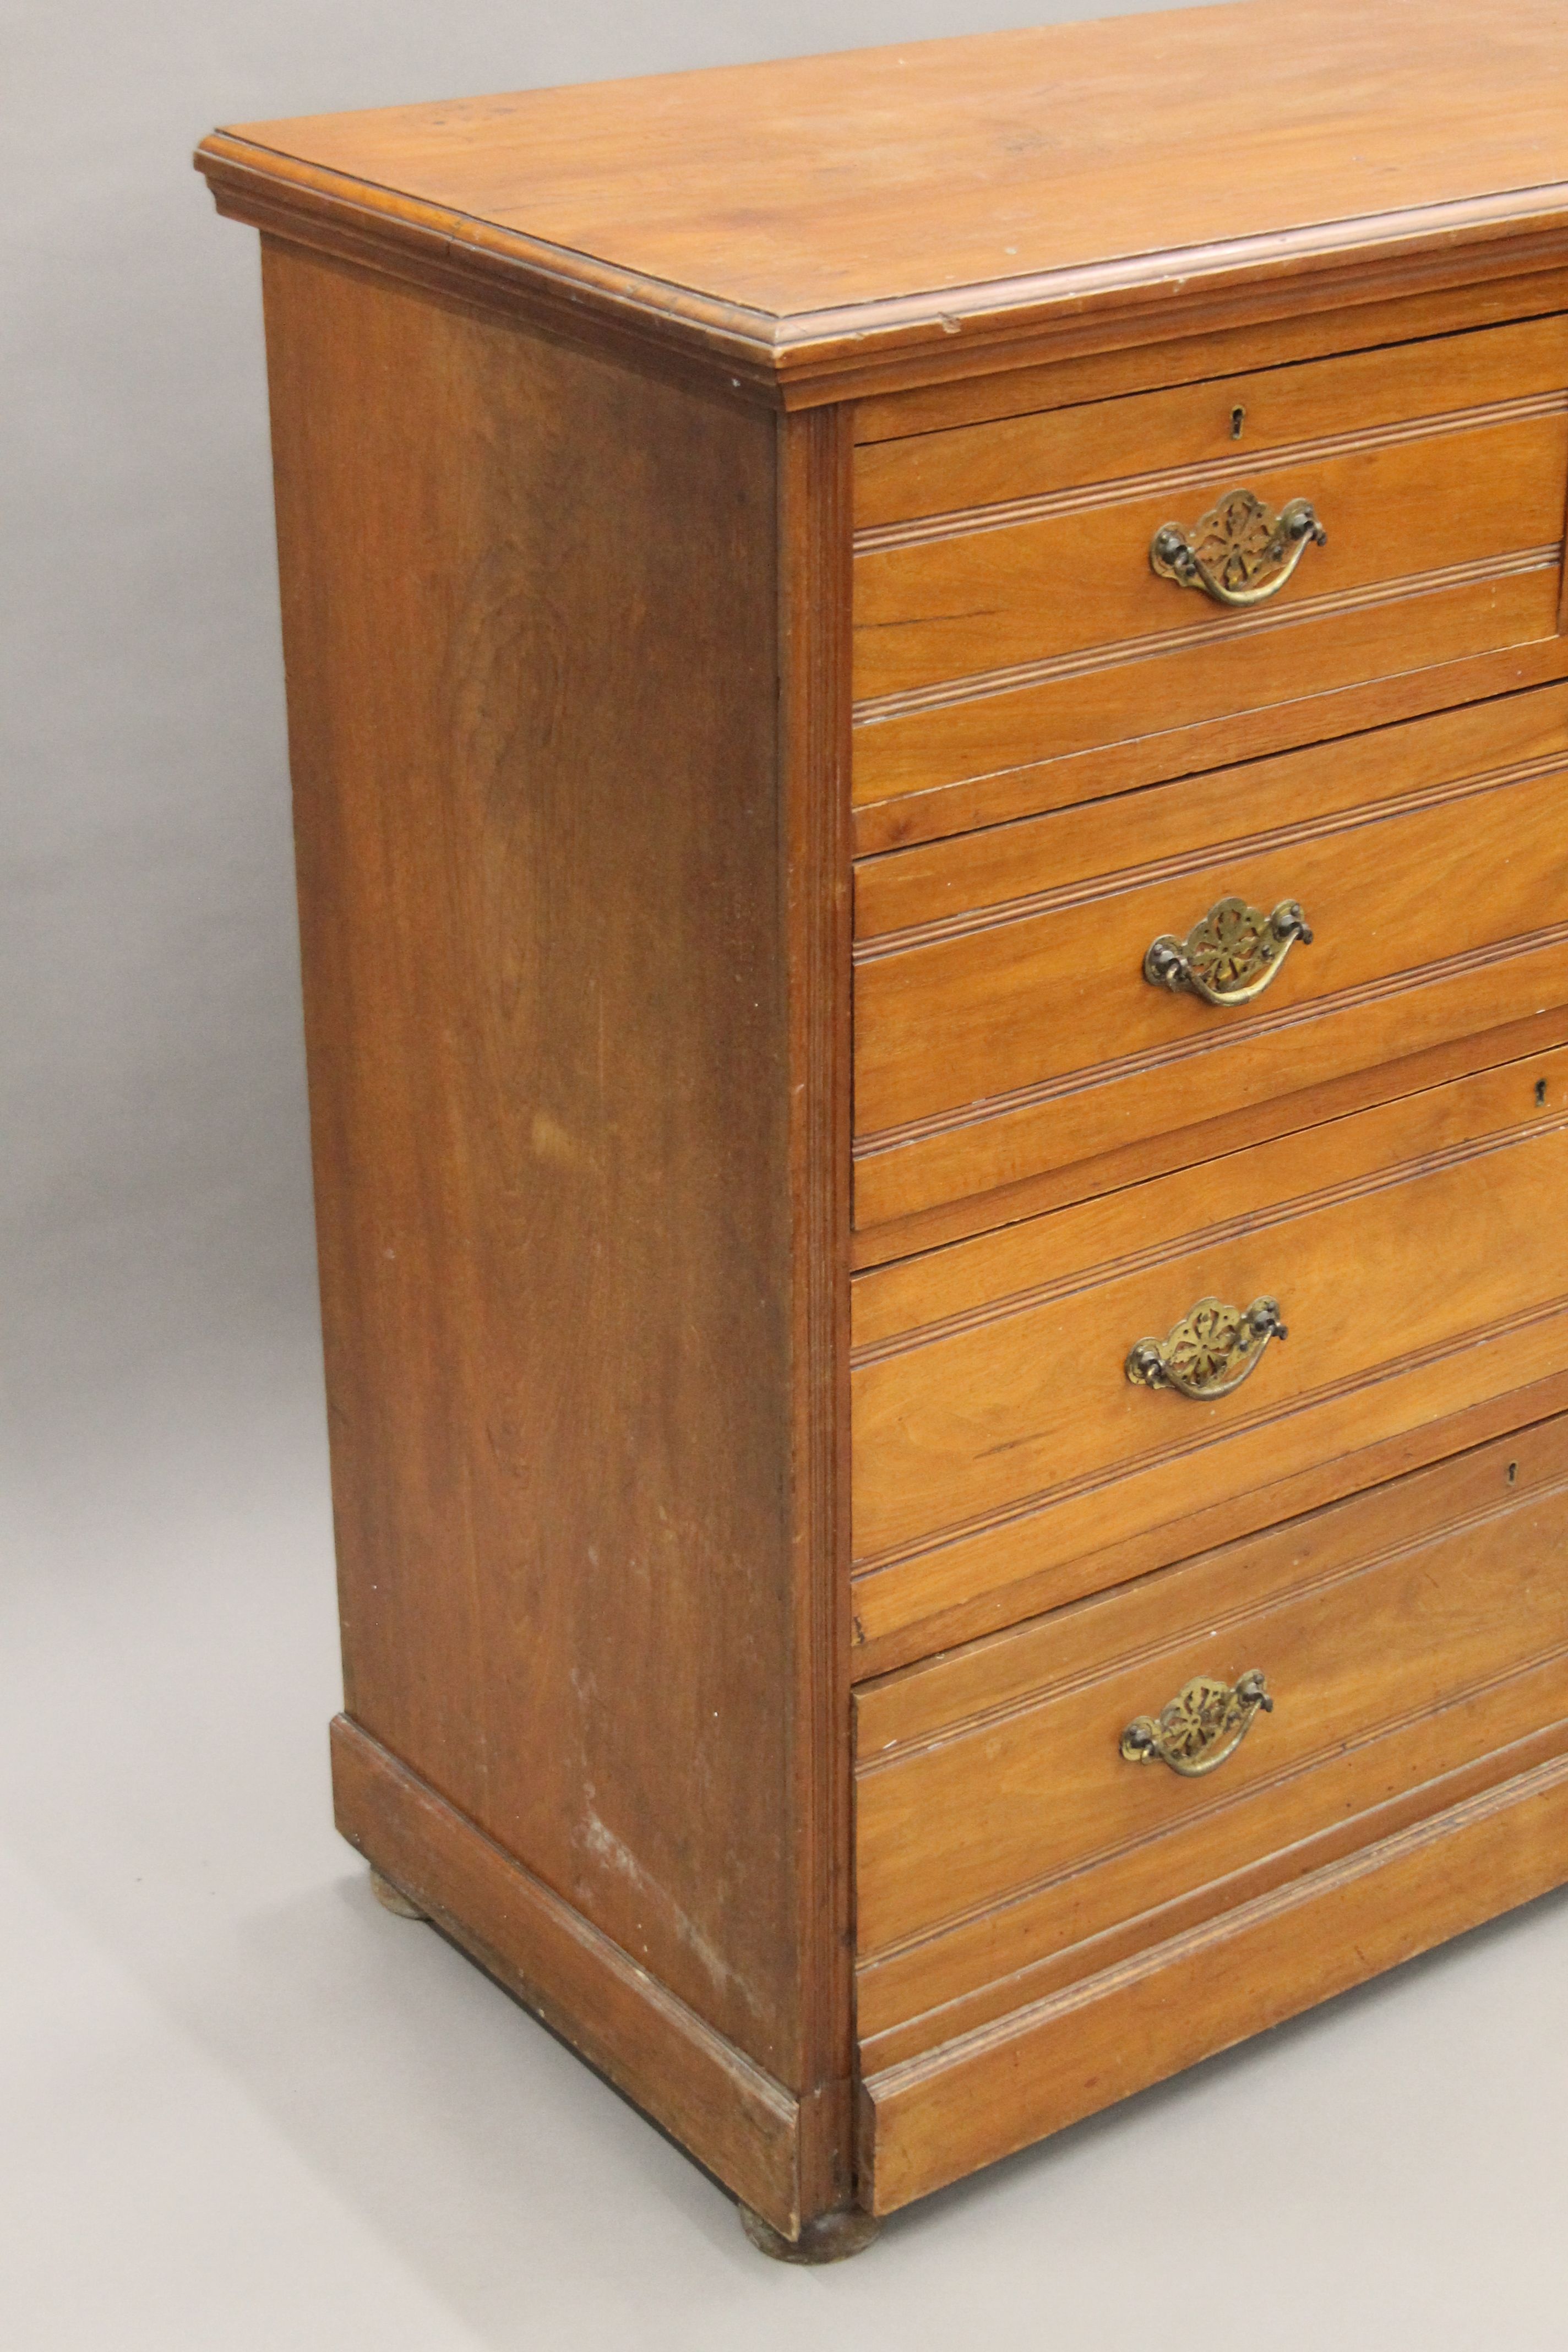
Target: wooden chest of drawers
x=929 y=709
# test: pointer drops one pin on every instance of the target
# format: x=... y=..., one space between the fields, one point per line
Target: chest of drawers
x=929 y=712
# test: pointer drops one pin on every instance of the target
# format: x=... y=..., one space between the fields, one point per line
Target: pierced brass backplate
x=1242 y=553
x=1205 y=1723
x=1211 y=1352
x=1231 y=955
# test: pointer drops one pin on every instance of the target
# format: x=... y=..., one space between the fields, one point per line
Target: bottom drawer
x=1006 y=1847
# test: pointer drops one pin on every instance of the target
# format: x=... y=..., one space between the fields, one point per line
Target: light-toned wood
x=980 y=2097
x=893 y=1304
x=1207 y=1139
x=805 y=220
x=1051 y=1927
x=1370 y=1657
x=1075 y=578
x=931 y=1542
x=631 y=1475
x=1235 y=663
x=571 y=1429
x=463 y=1164
x=1059 y=448
x=978 y=394
x=733 y=2115
x=1043 y=996
x=892 y=1632
x=812 y=1678
x=932 y=813
x=1068 y=958
x=961 y=878
x=1002 y=1141
x=984 y=1969
x=1065 y=1648
x=996 y=1433
x=1055 y=985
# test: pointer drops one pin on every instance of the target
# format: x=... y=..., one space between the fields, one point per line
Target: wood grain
x=631 y=1475
x=1077 y=576
x=1371 y=1662
x=576 y=1215
x=1049 y=986
x=1055 y=985
x=1249 y=662
x=1206 y=1140
x=981 y=1459
x=1005 y=1141
x=1023 y=1950
x=1362 y=394
x=978 y=1417
x=813 y=491
x=1044 y=779
x=985 y=2093
x=954 y=198
x=1216 y=1852
x=734 y=2117
x=1065 y=1648
x=902 y=1635
x=996 y=1568
x=978 y=395
x=999 y=866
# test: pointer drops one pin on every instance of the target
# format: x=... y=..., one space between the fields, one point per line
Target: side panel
x=555 y=999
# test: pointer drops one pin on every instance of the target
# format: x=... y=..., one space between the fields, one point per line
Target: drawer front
x=1416 y=1254
x=1400 y=1637
x=918 y=476
x=1005 y=1023
x=1024 y=619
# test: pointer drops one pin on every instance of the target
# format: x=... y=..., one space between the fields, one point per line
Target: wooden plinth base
x=738 y=2121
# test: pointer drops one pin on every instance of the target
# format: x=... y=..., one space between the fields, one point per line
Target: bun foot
x=831 y=2237
x=391 y=1898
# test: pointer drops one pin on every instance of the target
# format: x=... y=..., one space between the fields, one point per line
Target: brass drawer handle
x=1230 y=956
x=1211 y=1352
x=1242 y=553
x=1205 y=1723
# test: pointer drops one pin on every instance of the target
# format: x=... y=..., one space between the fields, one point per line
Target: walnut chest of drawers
x=929 y=712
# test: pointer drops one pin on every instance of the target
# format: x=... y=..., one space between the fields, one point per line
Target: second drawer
x=1008 y=1020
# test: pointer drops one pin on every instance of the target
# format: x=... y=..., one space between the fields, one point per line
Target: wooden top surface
x=930 y=184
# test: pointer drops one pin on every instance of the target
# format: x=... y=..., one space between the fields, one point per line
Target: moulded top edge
x=806 y=211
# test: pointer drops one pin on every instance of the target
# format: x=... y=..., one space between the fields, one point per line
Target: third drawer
x=1001 y=1451
x=1005 y=1027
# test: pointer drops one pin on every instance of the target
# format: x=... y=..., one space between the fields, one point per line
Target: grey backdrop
x=239 y=2106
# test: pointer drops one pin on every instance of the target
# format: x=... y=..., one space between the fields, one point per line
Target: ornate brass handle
x=1205 y=1723
x=1230 y=956
x=1242 y=553
x=1211 y=1352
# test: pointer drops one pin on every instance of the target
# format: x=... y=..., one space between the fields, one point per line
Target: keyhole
x=1540 y=1091
x=1237 y=419
x=1512 y=1472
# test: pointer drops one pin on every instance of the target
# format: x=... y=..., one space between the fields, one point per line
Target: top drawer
x=1006 y=609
